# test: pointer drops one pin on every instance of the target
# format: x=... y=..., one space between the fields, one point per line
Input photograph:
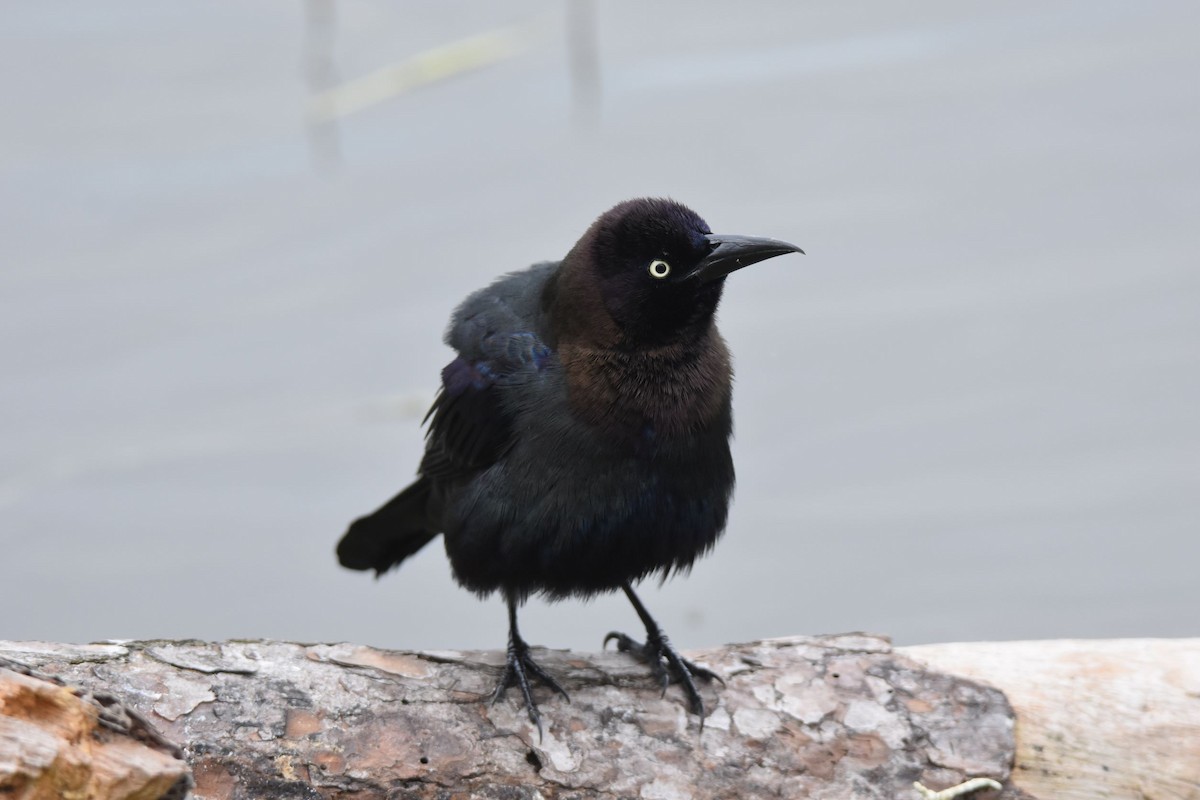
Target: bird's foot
x=517 y=669
x=666 y=664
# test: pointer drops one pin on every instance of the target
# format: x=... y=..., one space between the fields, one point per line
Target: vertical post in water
x=585 y=62
x=324 y=142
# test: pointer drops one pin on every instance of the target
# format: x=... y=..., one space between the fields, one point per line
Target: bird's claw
x=666 y=664
x=516 y=668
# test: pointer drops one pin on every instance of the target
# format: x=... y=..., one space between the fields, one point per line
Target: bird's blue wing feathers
x=470 y=426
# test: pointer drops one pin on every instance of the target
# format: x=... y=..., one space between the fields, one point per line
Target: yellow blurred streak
x=420 y=70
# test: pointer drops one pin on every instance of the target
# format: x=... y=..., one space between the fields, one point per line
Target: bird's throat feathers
x=667 y=391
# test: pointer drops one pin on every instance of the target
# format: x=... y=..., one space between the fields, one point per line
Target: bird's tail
x=392 y=533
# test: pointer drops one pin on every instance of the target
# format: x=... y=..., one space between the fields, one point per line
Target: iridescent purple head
x=658 y=269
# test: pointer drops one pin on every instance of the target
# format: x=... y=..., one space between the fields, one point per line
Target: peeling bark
x=828 y=717
x=58 y=741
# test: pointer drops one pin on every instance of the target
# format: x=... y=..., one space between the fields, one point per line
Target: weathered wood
x=1095 y=719
x=58 y=741
x=828 y=717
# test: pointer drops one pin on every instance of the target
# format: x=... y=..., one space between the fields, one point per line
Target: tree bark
x=821 y=717
x=59 y=741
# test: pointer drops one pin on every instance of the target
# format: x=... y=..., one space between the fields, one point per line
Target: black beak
x=731 y=253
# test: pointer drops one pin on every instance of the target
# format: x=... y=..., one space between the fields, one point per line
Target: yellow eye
x=659 y=269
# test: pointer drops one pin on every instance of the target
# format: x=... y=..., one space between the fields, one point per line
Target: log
x=822 y=717
x=840 y=716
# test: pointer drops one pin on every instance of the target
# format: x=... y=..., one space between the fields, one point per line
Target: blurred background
x=231 y=235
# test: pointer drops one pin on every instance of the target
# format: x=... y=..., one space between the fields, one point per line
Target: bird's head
x=649 y=272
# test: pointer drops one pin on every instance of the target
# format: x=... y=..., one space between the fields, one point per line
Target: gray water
x=971 y=412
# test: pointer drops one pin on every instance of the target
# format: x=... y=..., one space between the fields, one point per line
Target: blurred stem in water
x=585 y=61
x=320 y=73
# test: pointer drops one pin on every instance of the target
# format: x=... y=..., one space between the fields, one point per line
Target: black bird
x=580 y=440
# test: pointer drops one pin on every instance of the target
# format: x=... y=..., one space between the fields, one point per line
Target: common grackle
x=580 y=439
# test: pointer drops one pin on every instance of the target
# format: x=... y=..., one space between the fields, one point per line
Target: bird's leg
x=519 y=665
x=663 y=659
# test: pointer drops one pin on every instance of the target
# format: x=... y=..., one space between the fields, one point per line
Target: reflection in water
x=320 y=74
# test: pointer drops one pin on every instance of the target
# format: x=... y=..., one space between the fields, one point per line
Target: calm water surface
x=971 y=412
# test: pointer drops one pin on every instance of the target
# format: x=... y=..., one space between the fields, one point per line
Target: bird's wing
x=470 y=424
x=471 y=421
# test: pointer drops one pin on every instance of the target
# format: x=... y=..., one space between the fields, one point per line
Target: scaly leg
x=658 y=650
x=520 y=664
